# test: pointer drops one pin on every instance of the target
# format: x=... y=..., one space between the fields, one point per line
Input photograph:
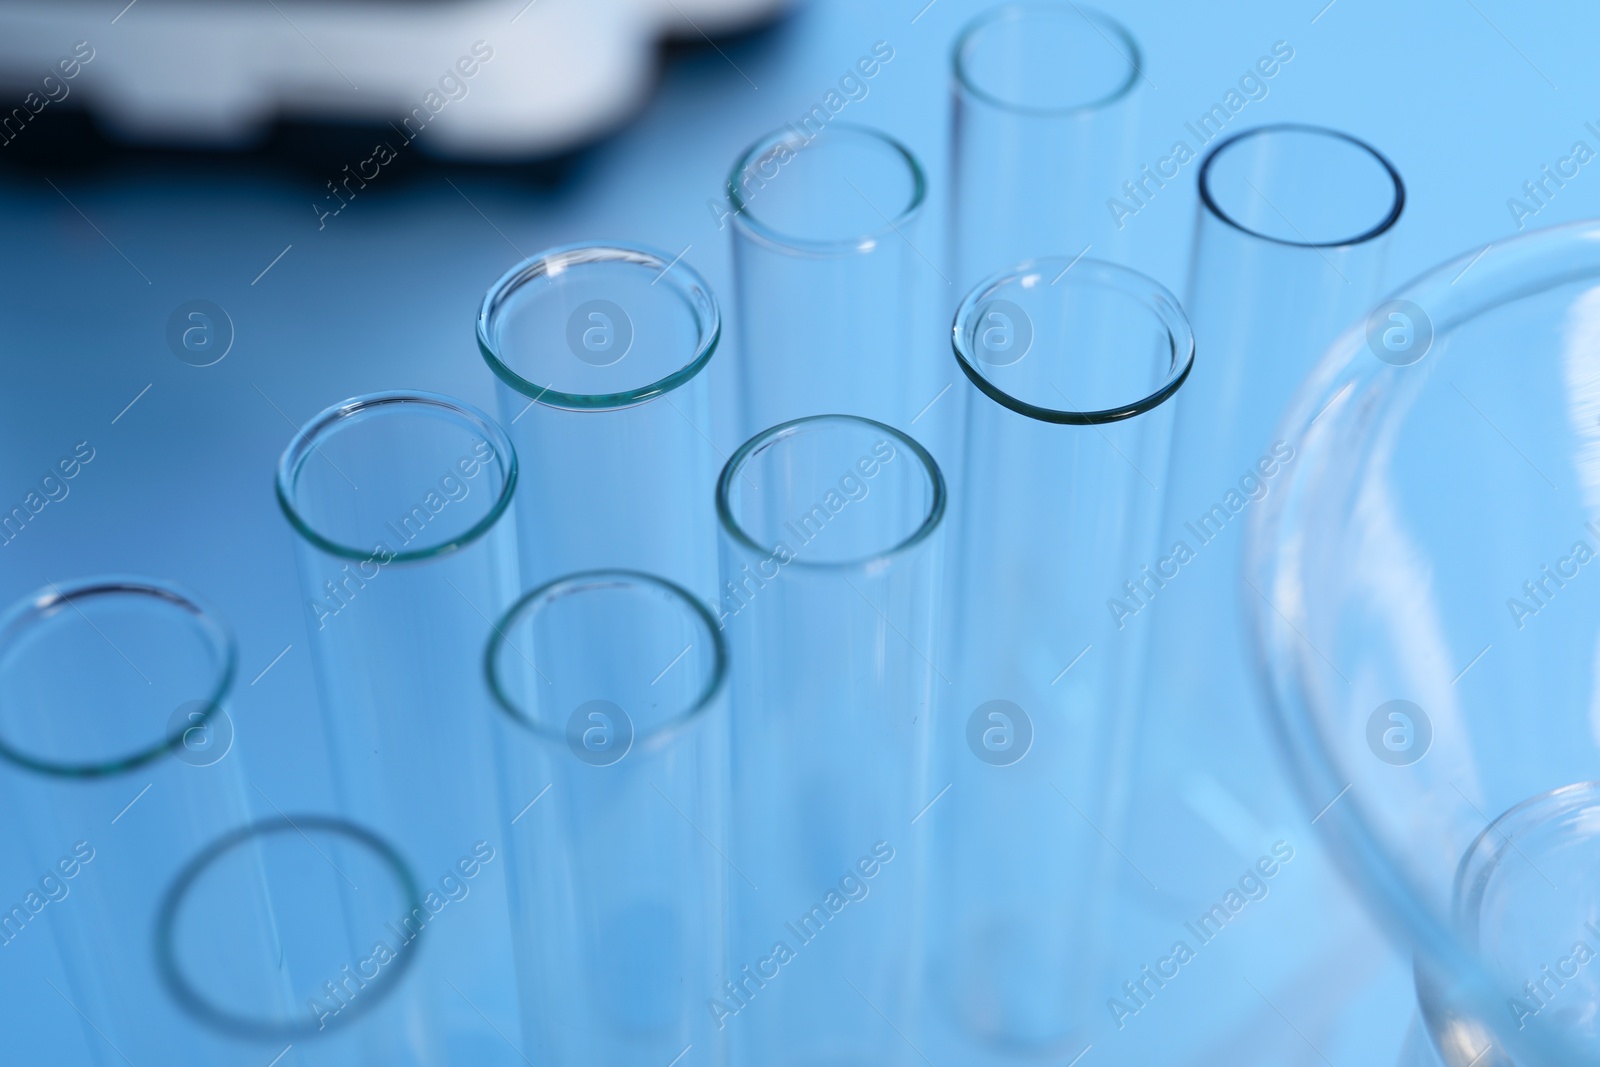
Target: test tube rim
x=1016 y=11
x=1378 y=229
x=41 y=605
x=939 y=496
x=603 y=578
x=1156 y=297
x=304 y=444
x=752 y=225
x=690 y=286
x=193 y=1002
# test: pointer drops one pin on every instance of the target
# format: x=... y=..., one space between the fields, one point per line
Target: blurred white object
x=482 y=79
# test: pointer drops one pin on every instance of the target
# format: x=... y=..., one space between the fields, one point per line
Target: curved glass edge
x=1379 y=229
x=1155 y=296
x=305 y=441
x=766 y=438
x=534 y=599
x=1499 y=837
x=193 y=1000
x=33 y=608
x=1519 y=267
x=754 y=228
x=690 y=286
x=1108 y=27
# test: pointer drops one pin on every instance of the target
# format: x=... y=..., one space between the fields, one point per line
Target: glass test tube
x=118 y=746
x=599 y=352
x=1073 y=365
x=1045 y=117
x=1289 y=251
x=832 y=531
x=405 y=554
x=832 y=269
x=615 y=782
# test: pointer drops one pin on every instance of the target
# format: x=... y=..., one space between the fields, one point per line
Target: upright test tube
x=832 y=531
x=1289 y=251
x=406 y=555
x=1074 y=364
x=833 y=280
x=615 y=784
x=599 y=352
x=119 y=763
x=1045 y=117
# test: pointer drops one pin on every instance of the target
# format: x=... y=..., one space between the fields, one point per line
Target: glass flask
x=1427 y=630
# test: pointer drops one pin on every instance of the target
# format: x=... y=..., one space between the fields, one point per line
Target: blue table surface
x=1470 y=98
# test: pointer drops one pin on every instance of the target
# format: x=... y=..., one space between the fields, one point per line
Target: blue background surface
x=1469 y=98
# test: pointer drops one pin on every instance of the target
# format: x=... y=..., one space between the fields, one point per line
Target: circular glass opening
x=1073 y=341
x=103 y=675
x=289 y=927
x=843 y=189
x=593 y=326
x=831 y=490
x=396 y=477
x=605 y=662
x=1047 y=58
x=1302 y=185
